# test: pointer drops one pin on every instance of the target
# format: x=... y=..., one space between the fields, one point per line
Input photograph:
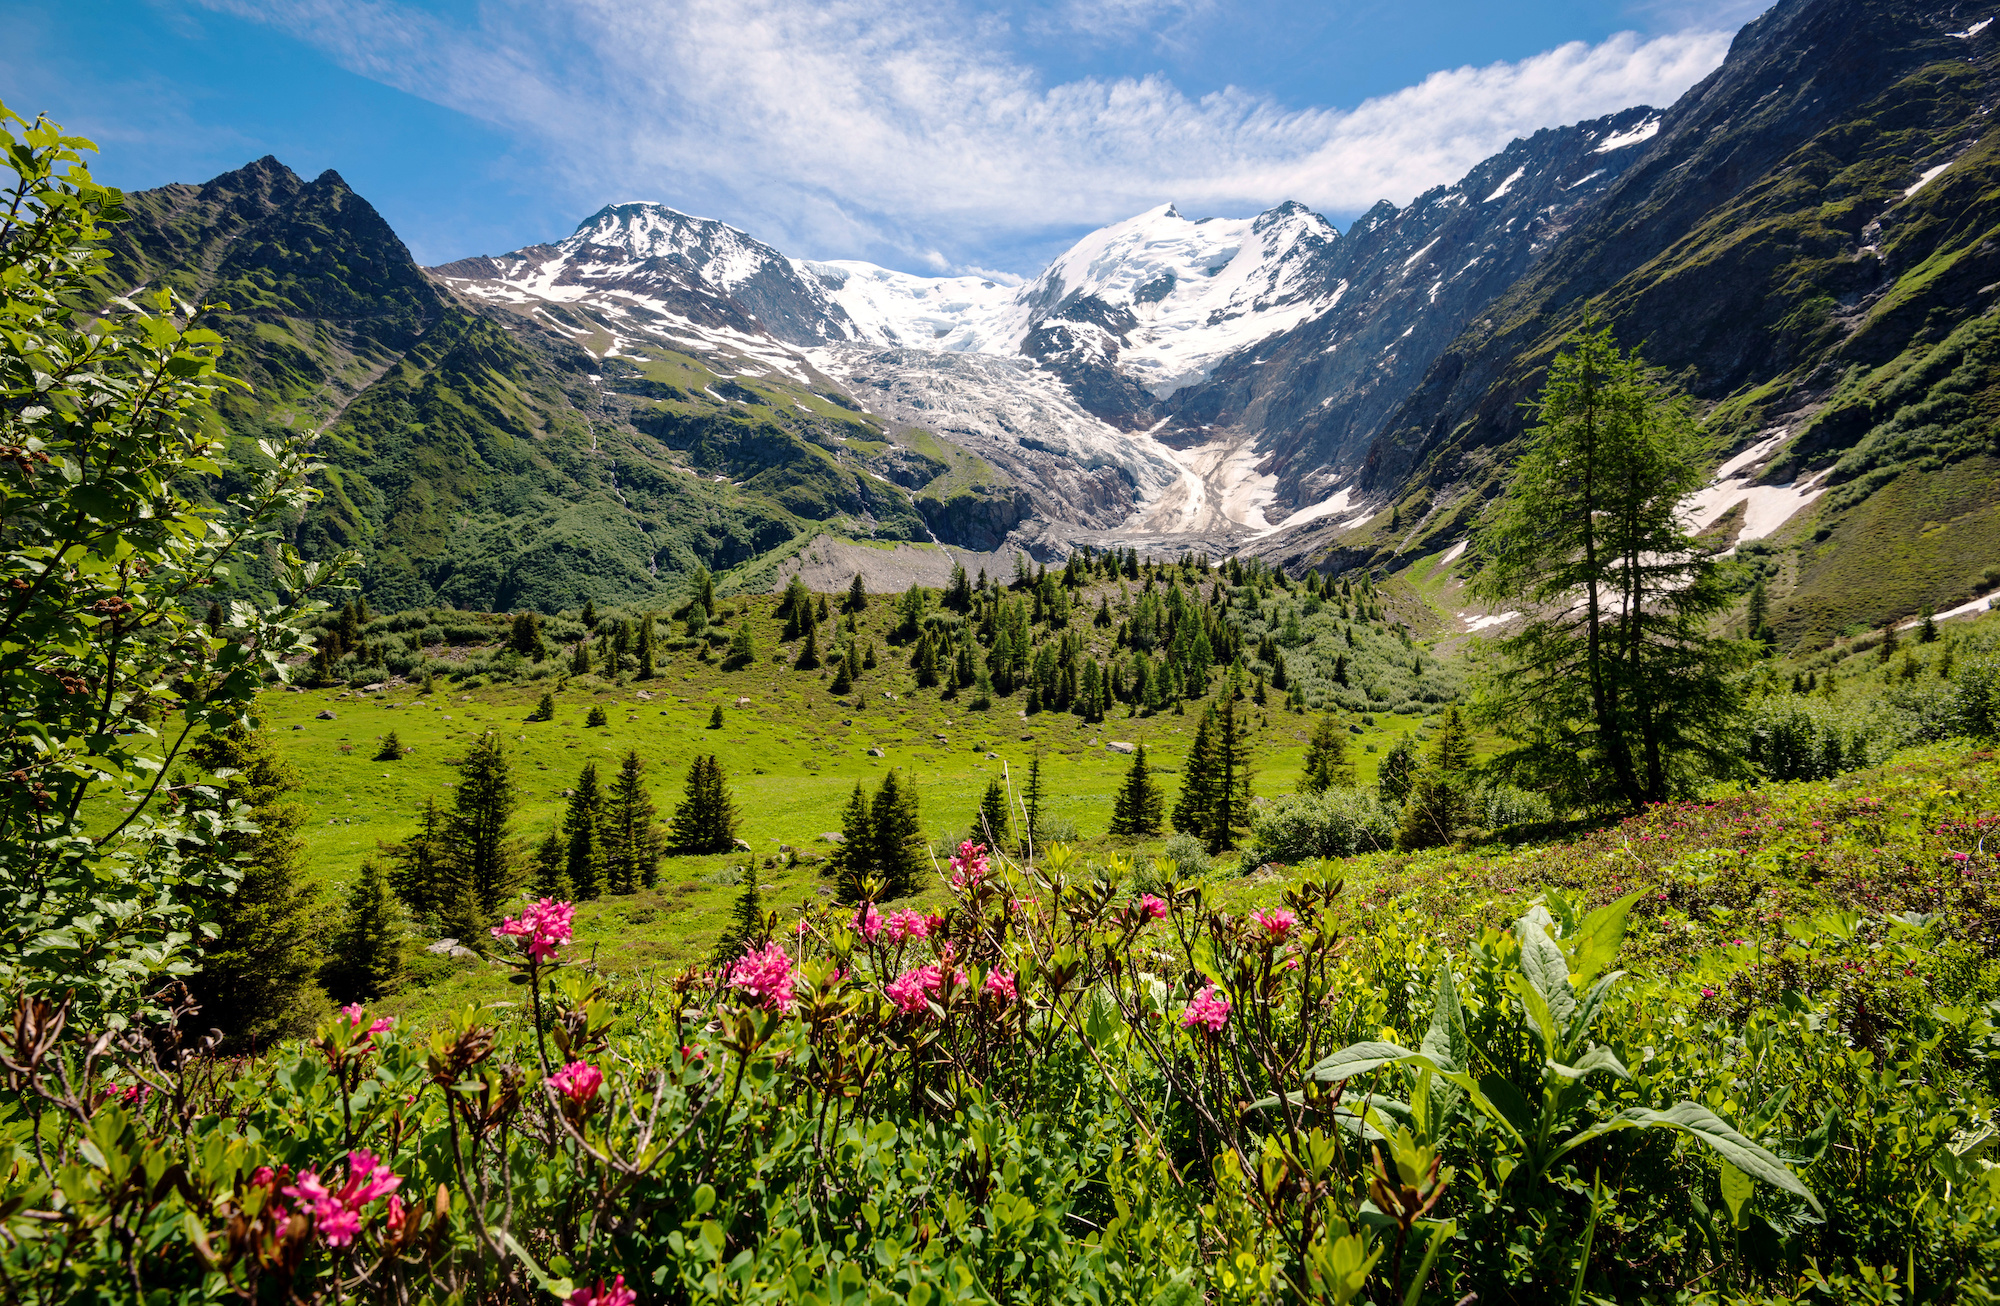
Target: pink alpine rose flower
x=1208 y=1010
x=1151 y=906
x=767 y=976
x=969 y=867
x=613 y=1294
x=545 y=925
x=867 y=922
x=578 y=1081
x=1276 y=924
x=907 y=924
x=1001 y=985
x=913 y=990
x=337 y=1212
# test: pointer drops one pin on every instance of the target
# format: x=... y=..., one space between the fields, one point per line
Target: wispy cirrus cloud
x=834 y=127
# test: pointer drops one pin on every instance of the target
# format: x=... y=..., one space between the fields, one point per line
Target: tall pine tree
x=989 y=823
x=705 y=821
x=854 y=863
x=583 y=840
x=482 y=855
x=365 y=955
x=1229 y=769
x=1327 y=766
x=1136 y=810
x=1197 y=796
x=897 y=838
x=256 y=976
x=633 y=840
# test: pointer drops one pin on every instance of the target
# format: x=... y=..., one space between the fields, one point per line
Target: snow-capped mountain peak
x=720 y=254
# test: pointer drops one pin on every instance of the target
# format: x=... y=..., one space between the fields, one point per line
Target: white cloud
x=831 y=126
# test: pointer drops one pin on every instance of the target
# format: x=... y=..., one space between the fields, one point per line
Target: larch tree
x=1615 y=693
x=990 y=825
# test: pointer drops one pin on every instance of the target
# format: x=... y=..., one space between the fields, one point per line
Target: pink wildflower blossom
x=908 y=924
x=337 y=1212
x=613 y=1294
x=768 y=977
x=578 y=1081
x=1277 y=923
x=999 y=982
x=136 y=1094
x=545 y=925
x=969 y=867
x=868 y=925
x=913 y=990
x=1152 y=907
x=1208 y=1009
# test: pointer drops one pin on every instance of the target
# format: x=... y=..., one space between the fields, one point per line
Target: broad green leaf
x=1446 y=1042
x=1698 y=1122
x=1598 y=1058
x=1736 y=1190
x=1586 y=1013
x=1360 y=1058
x=1598 y=938
x=1440 y=1231
x=1543 y=962
x=1536 y=1004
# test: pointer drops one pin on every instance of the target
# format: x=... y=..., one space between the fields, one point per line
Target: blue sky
x=928 y=135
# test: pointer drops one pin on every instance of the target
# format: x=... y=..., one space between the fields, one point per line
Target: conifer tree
x=715 y=717
x=742 y=647
x=808 y=659
x=484 y=860
x=391 y=749
x=747 y=928
x=589 y=616
x=596 y=717
x=633 y=840
x=646 y=660
x=1229 y=772
x=989 y=824
x=796 y=605
x=842 y=681
x=420 y=867
x=256 y=973
x=705 y=821
x=579 y=658
x=1618 y=693
x=551 y=874
x=1197 y=796
x=365 y=954
x=703 y=585
x=526 y=638
x=583 y=840
x=1031 y=799
x=545 y=707
x=1137 y=809
x=897 y=838
x=1439 y=805
x=1398 y=770
x=857 y=596
x=1327 y=766
x=1927 y=632
x=854 y=863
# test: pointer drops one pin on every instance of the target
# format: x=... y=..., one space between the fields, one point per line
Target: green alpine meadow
x=1446 y=760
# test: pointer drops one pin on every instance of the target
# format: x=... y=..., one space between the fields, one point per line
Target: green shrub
x=1337 y=823
x=1794 y=738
